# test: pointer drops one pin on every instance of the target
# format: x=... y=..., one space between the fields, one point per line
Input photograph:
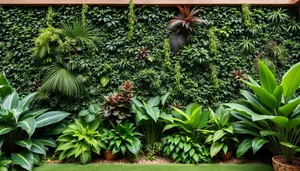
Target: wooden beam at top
x=151 y=2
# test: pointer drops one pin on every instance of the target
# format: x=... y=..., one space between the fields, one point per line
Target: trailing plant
x=246 y=14
x=167 y=52
x=213 y=42
x=49 y=17
x=214 y=75
x=183 y=149
x=177 y=85
x=122 y=138
x=117 y=106
x=131 y=18
x=83 y=14
x=221 y=135
x=79 y=140
x=151 y=117
x=183 y=26
x=273 y=115
x=191 y=122
x=18 y=125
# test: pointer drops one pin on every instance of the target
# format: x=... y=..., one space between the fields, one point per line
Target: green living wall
x=205 y=70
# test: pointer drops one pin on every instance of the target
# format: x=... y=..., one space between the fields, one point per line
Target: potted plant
x=272 y=117
x=121 y=138
x=221 y=135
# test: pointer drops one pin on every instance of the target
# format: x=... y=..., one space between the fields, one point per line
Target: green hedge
x=196 y=73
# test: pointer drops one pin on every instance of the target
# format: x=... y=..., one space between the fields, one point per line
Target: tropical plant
x=5 y=87
x=278 y=16
x=122 y=138
x=4 y=162
x=191 y=122
x=273 y=115
x=63 y=80
x=142 y=52
x=79 y=140
x=131 y=18
x=182 y=149
x=151 y=117
x=17 y=127
x=81 y=34
x=293 y=26
x=182 y=26
x=246 y=14
x=221 y=133
x=195 y=56
x=247 y=45
x=117 y=105
x=153 y=150
x=91 y=114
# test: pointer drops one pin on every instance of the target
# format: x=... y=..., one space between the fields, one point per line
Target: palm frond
x=177 y=41
x=59 y=79
x=80 y=32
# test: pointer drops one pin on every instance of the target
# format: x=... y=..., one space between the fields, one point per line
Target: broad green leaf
x=279 y=120
x=16 y=113
x=89 y=118
x=36 y=159
x=225 y=149
x=255 y=102
x=25 y=143
x=5 y=129
x=269 y=133
x=289 y=145
x=291 y=81
x=48 y=142
x=5 y=88
x=208 y=139
x=229 y=129
x=257 y=143
x=153 y=101
x=244 y=147
x=153 y=112
x=50 y=118
x=164 y=98
x=278 y=94
x=24 y=159
x=94 y=125
x=135 y=147
x=137 y=104
x=11 y=101
x=38 y=147
x=191 y=107
x=290 y=107
x=57 y=129
x=33 y=113
x=244 y=129
x=24 y=103
x=139 y=117
x=292 y=123
x=93 y=108
x=252 y=81
x=186 y=147
x=267 y=78
x=215 y=148
x=218 y=134
x=104 y=81
x=28 y=125
x=166 y=117
x=83 y=113
x=178 y=111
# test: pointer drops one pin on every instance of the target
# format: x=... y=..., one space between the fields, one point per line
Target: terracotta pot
x=226 y=156
x=109 y=156
x=279 y=164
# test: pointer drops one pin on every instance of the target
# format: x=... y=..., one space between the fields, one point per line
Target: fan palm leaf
x=59 y=79
x=80 y=32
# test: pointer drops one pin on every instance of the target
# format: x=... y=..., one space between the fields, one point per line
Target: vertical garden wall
x=206 y=70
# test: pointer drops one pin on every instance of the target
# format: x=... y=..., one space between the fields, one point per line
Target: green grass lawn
x=152 y=167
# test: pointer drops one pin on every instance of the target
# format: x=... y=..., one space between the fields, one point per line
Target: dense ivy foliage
x=201 y=71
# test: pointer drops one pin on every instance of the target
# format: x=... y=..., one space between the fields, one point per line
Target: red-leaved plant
x=183 y=25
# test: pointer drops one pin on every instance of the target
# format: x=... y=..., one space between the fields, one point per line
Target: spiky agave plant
x=183 y=25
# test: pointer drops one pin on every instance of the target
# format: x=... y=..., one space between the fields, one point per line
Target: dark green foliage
x=122 y=138
x=116 y=57
x=153 y=150
x=131 y=18
x=182 y=149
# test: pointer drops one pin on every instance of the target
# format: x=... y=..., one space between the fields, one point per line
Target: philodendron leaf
x=291 y=81
x=267 y=78
x=164 y=98
x=104 y=81
x=28 y=125
x=153 y=112
x=50 y=118
x=154 y=101
x=257 y=143
x=215 y=148
x=24 y=159
x=83 y=113
x=244 y=147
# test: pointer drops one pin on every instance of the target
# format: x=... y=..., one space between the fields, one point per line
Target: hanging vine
x=167 y=52
x=131 y=18
x=246 y=14
x=83 y=13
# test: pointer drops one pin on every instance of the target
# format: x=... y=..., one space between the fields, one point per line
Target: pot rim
x=287 y=165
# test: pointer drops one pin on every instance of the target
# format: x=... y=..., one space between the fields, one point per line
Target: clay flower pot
x=226 y=156
x=109 y=156
x=280 y=164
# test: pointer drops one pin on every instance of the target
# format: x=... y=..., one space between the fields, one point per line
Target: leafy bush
x=122 y=138
x=151 y=116
x=273 y=113
x=220 y=132
x=79 y=140
x=117 y=105
x=91 y=114
x=183 y=149
x=153 y=150
x=18 y=125
x=191 y=122
x=4 y=162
